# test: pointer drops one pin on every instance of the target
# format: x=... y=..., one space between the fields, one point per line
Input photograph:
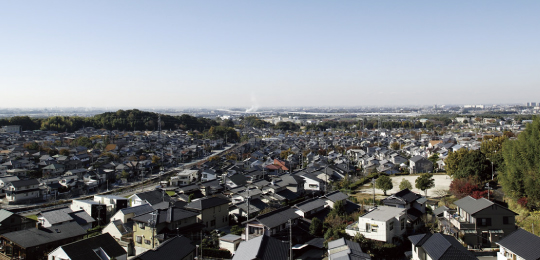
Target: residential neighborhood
x=270 y=194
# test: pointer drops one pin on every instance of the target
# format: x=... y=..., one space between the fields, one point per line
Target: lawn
x=171 y=193
x=34 y=217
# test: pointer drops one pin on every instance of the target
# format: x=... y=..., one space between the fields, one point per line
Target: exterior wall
x=311 y=185
x=231 y=246
x=58 y=254
x=15 y=223
x=145 y=236
x=383 y=232
x=112 y=230
x=505 y=254
x=219 y=214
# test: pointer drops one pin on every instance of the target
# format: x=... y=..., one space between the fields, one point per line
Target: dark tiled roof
x=310 y=204
x=206 y=203
x=443 y=247
x=277 y=217
x=29 y=182
x=440 y=210
x=472 y=205
x=336 y=196
x=166 y=215
x=523 y=244
x=35 y=237
x=262 y=248
x=137 y=210
x=402 y=197
x=175 y=248
x=84 y=249
x=154 y=196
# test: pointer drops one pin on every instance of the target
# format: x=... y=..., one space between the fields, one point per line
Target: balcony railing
x=460 y=223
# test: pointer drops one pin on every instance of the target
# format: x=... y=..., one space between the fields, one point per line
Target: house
x=113 y=203
x=419 y=164
x=176 y=248
x=336 y=196
x=271 y=223
x=383 y=223
x=32 y=244
x=480 y=222
x=186 y=177
x=262 y=248
x=96 y=210
x=208 y=175
x=213 y=211
x=345 y=249
x=149 y=197
x=148 y=228
x=102 y=247
x=10 y=222
x=308 y=208
x=414 y=203
x=54 y=217
x=22 y=190
x=519 y=245
x=438 y=247
x=230 y=242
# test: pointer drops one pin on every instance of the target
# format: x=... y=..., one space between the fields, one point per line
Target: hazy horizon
x=173 y=54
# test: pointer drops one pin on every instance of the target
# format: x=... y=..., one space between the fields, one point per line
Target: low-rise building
x=383 y=223
x=102 y=247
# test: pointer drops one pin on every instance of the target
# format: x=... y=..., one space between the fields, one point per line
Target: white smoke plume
x=254 y=105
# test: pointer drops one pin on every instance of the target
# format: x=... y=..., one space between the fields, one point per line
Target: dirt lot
x=441 y=182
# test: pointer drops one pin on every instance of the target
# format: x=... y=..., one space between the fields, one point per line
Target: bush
x=216 y=253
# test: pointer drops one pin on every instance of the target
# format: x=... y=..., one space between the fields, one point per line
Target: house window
x=391 y=226
x=374 y=228
x=146 y=241
x=213 y=223
x=505 y=220
x=141 y=225
x=139 y=239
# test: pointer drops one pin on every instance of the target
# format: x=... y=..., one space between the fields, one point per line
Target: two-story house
x=383 y=223
x=414 y=203
x=419 y=164
x=519 y=245
x=213 y=211
x=22 y=190
x=480 y=222
x=438 y=246
x=161 y=223
x=271 y=223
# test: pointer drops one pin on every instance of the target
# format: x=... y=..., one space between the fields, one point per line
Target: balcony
x=460 y=223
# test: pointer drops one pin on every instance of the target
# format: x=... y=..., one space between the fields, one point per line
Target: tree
x=395 y=146
x=155 y=159
x=468 y=163
x=463 y=187
x=316 y=227
x=384 y=183
x=492 y=149
x=64 y=152
x=520 y=176
x=434 y=158
x=405 y=184
x=425 y=182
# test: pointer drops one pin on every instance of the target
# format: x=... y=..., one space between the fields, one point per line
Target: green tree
x=395 y=146
x=425 y=182
x=64 y=152
x=520 y=177
x=492 y=149
x=384 y=183
x=468 y=163
x=434 y=158
x=316 y=227
x=405 y=184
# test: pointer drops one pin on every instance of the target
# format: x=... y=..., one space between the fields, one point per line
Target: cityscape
x=283 y=130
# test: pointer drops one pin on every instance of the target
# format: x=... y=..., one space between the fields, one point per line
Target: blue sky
x=268 y=53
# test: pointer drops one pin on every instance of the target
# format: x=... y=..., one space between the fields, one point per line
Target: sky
x=139 y=54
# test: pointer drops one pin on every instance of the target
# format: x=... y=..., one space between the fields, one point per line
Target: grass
x=171 y=193
x=34 y=217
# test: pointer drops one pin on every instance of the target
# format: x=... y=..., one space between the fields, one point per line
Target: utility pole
x=373 y=184
x=290 y=239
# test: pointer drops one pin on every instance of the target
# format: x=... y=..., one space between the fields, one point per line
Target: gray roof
x=175 y=248
x=262 y=248
x=472 y=205
x=4 y=214
x=166 y=215
x=137 y=210
x=35 y=237
x=523 y=244
x=336 y=196
x=56 y=216
x=230 y=238
x=206 y=203
x=442 y=247
x=345 y=249
x=84 y=249
x=310 y=204
x=440 y=210
x=384 y=213
x=277 y=217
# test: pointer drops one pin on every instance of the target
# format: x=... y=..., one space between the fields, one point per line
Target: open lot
x=441 y=182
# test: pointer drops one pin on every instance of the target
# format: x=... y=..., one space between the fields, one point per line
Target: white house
x=186 y=177
x=17 y=191
x=230 y=242
x=383 y=223
x=519 y=245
